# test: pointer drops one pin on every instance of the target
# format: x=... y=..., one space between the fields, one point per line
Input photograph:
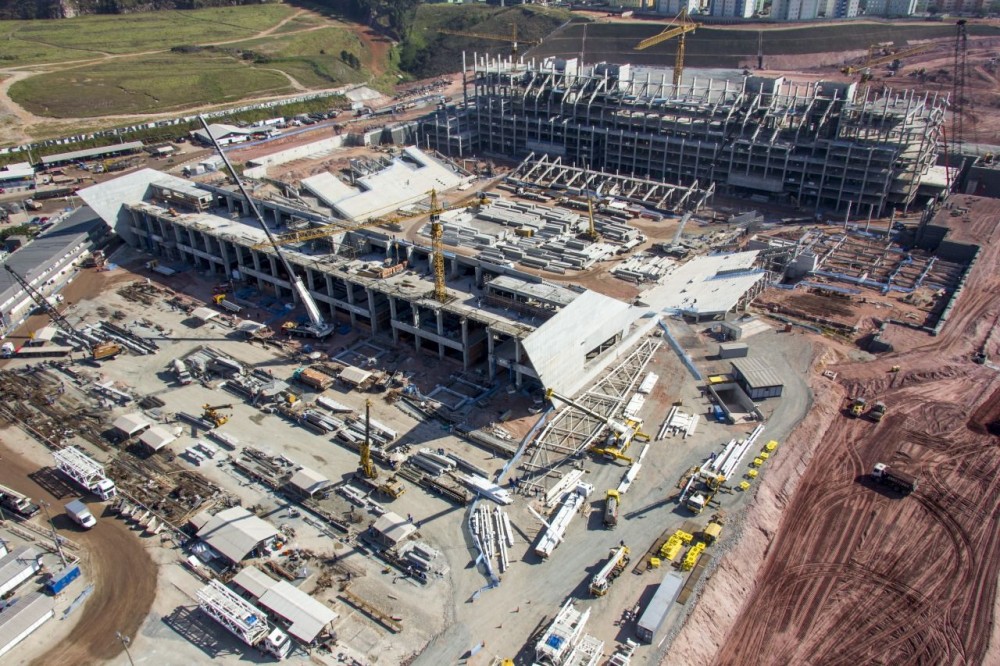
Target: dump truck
x=80 y=514
x=877 y=411
x=612 y=502
x=901 y=481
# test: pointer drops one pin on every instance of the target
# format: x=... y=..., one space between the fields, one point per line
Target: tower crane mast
x=367 y=467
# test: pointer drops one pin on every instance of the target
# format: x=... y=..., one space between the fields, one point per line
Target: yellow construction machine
x=857 y=407
x=211 y=413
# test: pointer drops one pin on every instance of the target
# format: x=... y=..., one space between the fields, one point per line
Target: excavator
x=211 y=413
x=620 y=436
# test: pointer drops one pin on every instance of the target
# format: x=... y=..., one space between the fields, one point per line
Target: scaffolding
x=817 y=143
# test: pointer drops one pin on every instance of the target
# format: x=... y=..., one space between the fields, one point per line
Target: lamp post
x=55 y=536
x=125 y=640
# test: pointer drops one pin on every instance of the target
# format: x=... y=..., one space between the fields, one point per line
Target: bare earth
x=834 y=551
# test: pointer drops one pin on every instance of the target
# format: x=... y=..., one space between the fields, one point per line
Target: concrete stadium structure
x=488 y=322
x=819 y=145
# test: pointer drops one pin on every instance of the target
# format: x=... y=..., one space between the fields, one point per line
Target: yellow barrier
x=692 y=556
x=771 y=446
x=757 y=462
x=752 y=474
x=744 y=485
x=684 y=536
x=763 y=455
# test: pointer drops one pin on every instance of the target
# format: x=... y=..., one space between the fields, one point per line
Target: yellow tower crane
x=679 y=27
x=437 y=249
x=512 y=38
x=888 y=56
x=367 y=467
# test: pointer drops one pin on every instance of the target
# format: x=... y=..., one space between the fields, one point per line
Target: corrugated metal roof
x=92 y=152
x=157 y=437
x=307 y=617
x=757 y=373
x=393 y=526
x=254 y=581
x=130 y=423
x=21 y=170
x=308 y=481
x=235 y=532
x=33 y=259
x=26 y=613
x=15 y=562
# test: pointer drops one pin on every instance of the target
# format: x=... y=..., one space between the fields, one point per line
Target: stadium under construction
x=823 y=146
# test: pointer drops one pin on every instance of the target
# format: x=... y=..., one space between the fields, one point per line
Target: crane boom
x=318 y=327
x=511 y=38
x=679 y=27
x=71 y=333
x=872 y=61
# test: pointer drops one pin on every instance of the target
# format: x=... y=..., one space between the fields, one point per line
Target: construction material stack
x=15 y=502
x=85 y=472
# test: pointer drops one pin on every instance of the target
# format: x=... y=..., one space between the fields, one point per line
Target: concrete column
x=277 y=217
x=371 y=310
x=230 y=204
x=491 y=359
x=350 y=299
x=416 y=325
x=393 y=317
x=328 y=282
x=256 y=267
x=479 y=275
x=245 y=207
x=466 y=355
x=439 y=315
x=517 y=359
x=224 y=252
x=272 y=265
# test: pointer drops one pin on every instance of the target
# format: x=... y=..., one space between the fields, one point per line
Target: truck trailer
x=901 y=481
x=243 y=620
x=15 y=502
x=85 y=472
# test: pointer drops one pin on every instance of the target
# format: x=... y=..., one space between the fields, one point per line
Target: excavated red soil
x=855 y=573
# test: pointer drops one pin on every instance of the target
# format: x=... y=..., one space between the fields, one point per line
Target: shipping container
x=659 y=607
x=733 y=350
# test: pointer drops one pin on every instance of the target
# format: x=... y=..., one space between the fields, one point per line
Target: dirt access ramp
x=860 y=574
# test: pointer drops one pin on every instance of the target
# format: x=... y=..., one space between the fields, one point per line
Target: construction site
x=592 y=367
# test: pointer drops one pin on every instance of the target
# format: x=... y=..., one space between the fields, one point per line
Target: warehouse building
x=18 y=566
x=305 y=618
x=102 y=152
x=19 y=175
x=48 y=263
x=816 y=145
x=18 y=621
x=759 y=380
x=234 y=533
x=225 y=135
x=481 y=325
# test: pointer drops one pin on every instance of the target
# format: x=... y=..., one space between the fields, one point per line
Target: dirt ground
x=836 y=552
x=123 y=575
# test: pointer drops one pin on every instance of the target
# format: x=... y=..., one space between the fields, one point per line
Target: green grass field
x=147 y=84
x=312 y=58
x=30 y=42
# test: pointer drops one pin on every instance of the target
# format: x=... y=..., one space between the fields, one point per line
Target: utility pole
x=125 y=640
x=55 y=536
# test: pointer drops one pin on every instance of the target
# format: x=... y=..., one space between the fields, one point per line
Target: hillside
x=426 y=52
x=54 y=9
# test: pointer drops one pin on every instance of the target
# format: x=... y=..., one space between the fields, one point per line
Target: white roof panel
x=205 y=314
x=254 y=581
x=706 y=285
x=235 y=532
x=131 y=423
x=309 y=480
x=157 y=437
x=307 y=616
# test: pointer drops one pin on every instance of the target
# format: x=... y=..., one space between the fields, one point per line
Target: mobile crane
x=616 y=563
x=99 y=351
x=212 y=414
x=317 y=327
x=620 y=435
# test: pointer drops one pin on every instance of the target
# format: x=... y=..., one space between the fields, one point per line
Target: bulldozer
x=211 y=413
x=857 y=407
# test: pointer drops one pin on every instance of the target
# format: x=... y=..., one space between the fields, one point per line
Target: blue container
x=61 y=579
